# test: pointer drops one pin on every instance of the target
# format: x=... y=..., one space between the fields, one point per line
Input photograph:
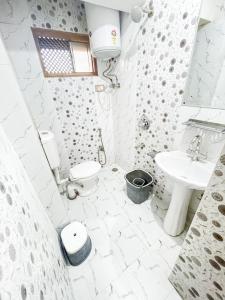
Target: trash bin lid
x=74 y=236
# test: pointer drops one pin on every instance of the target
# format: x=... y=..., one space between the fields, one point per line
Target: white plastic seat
x=84 y=170
x=76 y=243
x=74 y=237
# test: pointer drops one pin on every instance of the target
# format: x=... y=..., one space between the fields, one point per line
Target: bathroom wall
x=206 y=35
x=152 y=81
x=199 y=270
x=67 y=106
x=167 y=41
x=124 y=99
x=153 y=70
x=81 y=111
x=205 y=83
x=212 y=143
x=206 y=89
x=154 y=66
x=31 y=264
x=18 y=125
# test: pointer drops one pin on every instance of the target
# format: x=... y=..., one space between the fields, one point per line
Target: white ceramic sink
x=177 y=165
x=187 y=175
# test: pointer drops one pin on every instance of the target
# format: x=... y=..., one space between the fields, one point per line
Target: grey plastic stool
x=76 y=242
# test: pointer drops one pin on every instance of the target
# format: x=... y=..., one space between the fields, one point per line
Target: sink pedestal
x=176 y=215
x=187 y=175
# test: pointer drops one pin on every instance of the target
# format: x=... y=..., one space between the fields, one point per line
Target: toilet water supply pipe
x=58 y=180
x=71 y=188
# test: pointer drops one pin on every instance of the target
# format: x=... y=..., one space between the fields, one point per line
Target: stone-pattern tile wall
x=212 y=142
x=124 y=100
x=31 y=263
x=199 y=270
x=156 y=58
x=204 y=86
x=77 y=113
x=205 y=83
x=165 y=47
x=81 y=112
x=153 y=81
x=18 y=125
x=49 y=100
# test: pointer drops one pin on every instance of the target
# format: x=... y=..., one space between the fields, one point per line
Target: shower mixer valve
x=144 y=122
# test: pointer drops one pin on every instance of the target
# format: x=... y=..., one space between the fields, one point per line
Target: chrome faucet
x=194 y=149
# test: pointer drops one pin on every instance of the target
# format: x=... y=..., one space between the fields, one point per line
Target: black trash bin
x=139 y=185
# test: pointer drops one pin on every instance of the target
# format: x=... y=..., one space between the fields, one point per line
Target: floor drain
x=114 y=169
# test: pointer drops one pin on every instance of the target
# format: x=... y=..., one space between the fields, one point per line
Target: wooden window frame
x=68 y=36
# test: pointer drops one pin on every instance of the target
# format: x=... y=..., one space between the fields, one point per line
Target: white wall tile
x=31 y=263
x=15 y=119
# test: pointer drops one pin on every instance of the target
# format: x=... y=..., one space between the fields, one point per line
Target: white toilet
x=83 y=178
x=86 y=176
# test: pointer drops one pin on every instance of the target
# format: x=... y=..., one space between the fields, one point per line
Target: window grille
x=64 y=53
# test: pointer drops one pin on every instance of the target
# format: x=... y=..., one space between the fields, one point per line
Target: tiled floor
x=131 y=256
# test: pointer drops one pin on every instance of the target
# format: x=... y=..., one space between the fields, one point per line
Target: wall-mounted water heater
x=104 y=31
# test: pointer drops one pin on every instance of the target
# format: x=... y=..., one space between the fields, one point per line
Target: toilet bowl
x=84 y=177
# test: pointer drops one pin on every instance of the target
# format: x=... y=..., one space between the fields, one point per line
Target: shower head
x=137 y=11
x=136 y=14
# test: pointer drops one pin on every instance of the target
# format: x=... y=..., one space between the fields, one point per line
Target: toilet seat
x=84 y=170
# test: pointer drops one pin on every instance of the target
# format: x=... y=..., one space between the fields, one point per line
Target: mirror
x=206 y=82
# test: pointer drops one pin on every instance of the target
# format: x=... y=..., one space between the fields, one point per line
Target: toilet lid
x=85 y=170
x=74 y=236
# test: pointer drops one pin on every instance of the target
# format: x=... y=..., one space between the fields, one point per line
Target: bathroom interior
x=112 y=152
